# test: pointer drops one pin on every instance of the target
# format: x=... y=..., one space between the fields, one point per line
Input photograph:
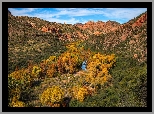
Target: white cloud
x=123 y=13
x=117 y=14
x=78 y=12
x=22 y=12
x=68 y=21
x=113 y=13
x=60 y=9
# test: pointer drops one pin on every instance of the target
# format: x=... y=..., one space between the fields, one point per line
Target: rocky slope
x=30 y=36
x=99 y=27
x=128 y=38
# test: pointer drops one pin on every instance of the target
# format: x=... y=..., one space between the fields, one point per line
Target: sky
x=79 y=15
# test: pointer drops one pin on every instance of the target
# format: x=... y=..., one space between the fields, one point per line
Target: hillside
x=128 y=39
x=45 y=59
x=99 y=27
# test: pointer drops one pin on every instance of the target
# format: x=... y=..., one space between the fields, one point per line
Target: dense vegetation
x=44 y=71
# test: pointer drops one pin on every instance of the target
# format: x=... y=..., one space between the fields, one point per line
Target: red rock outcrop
x=99 y=27
x=44 y=29
x=140 y=20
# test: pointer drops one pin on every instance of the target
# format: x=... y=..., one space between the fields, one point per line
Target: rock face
x=30 y=24
x=99 y=27
x=51 y=29
x=119 y=32
x=44 y=29
x=140 y=20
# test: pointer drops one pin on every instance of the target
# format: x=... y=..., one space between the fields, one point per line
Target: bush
x=36 y=72
x=17 y=103
x=18 y=81
x=52 y=95
x=130 y=81
x=105 y=98
x=80 y=93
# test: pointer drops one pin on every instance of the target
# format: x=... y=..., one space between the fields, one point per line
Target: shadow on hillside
x=66 y=102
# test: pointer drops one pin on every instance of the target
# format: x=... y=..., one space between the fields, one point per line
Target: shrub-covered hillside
x=45 y=63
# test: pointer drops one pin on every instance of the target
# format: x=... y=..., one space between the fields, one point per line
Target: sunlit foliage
x=98 y=68
x=52 y=95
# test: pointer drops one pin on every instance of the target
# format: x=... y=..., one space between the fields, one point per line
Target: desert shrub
x=130 y=81
x=36 y=72
x=18 y=81
x=51 y=70
x=104 y=98
x=48 y=66
x=76 y=103
x=22 y=76
x=79 y=93
x=82 y=93
x=13 y=90
x=17 y=103
x=52 y=95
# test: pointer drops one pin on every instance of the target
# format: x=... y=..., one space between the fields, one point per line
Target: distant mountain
x=99 y=27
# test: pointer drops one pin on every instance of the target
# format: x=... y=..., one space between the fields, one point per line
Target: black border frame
x=6 y=5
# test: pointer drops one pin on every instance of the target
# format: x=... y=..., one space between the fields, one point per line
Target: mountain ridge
x=90 y=27
x=110 y=34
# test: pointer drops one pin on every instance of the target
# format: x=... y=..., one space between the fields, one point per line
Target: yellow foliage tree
x=51 y=70
x=18 y=81
x=16 y=103
x=71 y=60
x=98 y=68
x=47 y=66
x=80 y=93
x=36 y=72
x=52 y=95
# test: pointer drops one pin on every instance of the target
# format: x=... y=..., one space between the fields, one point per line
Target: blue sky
x=80 y=15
